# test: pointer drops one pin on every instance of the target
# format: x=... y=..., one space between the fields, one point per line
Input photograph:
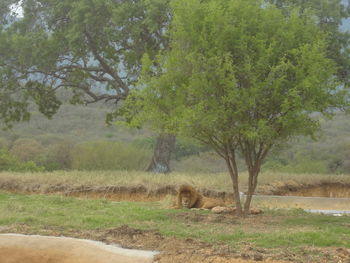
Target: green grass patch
x=273 y=229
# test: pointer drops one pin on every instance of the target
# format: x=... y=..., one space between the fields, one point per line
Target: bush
x=58 y=156
x=108 y=155
x=28 y=150
x=27 y=167
x=208 y=162
x=187 y=147
x=10 y=163
x=184 y=147
x=6 y=160
x=3 y=143
x=301 y=165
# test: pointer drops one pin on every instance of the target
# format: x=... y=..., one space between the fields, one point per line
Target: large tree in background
x=91 y=47
x=241 y=77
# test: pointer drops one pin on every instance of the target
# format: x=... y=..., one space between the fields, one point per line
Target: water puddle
x=328 y=212
x=15 y=248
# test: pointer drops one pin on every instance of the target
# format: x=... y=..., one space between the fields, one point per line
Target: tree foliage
x=329 y=15
x=91 y=47
x=241 y=76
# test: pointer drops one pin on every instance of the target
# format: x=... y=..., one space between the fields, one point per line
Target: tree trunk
x=160 y=162
x=252 y=183
x=232 y=168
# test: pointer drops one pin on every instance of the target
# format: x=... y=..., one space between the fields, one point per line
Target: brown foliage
x=188 y=197
x=27 y=150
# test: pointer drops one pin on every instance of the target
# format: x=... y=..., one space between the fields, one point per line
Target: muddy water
x=39 y=249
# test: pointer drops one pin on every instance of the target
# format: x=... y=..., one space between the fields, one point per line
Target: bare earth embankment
x=139 y=186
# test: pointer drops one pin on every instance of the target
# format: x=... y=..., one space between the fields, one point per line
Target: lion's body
x=188 y=197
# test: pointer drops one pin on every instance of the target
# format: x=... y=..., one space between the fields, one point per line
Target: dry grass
x=213 y=181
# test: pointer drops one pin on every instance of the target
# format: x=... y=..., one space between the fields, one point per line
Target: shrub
x=29 y=166
x=207 y=162
x=9 y=163
x=3 y=143
x=6 y=160
x=28 y=150
x=301 y=165
x=58 y=155
x=108 y=155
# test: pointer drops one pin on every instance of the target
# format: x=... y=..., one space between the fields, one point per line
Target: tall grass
x=214 y=181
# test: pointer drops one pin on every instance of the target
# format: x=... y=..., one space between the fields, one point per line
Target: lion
x=188 y=197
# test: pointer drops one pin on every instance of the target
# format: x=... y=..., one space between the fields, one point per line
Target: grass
x=273 y=229
x=217 y=181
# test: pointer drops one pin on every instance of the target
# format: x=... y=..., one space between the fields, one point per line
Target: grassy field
x=273 y=229
x=218 y=181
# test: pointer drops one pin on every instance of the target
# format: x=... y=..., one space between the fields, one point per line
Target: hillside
x=75 y=125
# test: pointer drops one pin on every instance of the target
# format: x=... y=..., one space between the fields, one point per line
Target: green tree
x=241 y=77
x=329 y=14
x=90 y=47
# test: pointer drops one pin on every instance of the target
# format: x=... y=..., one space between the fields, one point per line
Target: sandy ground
x=40 y=249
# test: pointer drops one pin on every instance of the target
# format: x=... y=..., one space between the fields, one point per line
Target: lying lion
x=188 y=197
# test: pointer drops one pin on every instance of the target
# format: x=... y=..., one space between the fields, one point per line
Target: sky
x=17 y=9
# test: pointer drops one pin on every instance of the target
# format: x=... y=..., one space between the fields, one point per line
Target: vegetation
x=93 y=49
x=240 y=85
x=212 y=181
x=10 y=163
x=84 y=124
x=76 y=124
x=293 y=228
x=88 y=47
x=329 y=16
x=104 y=155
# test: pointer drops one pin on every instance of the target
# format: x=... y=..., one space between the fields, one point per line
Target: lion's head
x=187 y=197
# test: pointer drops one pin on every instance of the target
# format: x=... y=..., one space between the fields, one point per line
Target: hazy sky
x=17 y=9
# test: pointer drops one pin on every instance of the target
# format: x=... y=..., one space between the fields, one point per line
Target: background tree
x=91 y=47
x=241 y=77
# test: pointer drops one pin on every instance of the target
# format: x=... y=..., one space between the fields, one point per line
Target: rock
x=222 y=210
x=255 y=211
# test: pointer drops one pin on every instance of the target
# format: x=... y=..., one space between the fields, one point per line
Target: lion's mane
x=196 y=200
